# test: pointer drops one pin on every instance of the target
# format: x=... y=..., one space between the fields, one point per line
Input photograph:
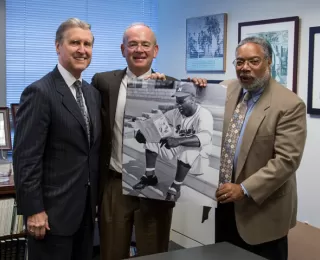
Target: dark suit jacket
x=52 y=159
x=108 y=83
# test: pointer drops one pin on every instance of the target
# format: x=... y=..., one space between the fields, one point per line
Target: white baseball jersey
x=199 y=124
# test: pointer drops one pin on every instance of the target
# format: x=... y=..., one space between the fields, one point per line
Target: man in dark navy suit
x=56 y=152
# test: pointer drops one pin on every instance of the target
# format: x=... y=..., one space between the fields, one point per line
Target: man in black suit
x=56 y=152
x=119 y=213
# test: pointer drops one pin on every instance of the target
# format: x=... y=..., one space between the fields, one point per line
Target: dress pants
x=76 y=247
x=226 y=231
x=119 y=213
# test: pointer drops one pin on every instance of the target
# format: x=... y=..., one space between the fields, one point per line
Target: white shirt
x=116 y=153
x=70 y=80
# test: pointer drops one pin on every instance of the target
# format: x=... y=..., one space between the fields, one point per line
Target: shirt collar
x=67 y=76
x=132 y=76
x=255 y=95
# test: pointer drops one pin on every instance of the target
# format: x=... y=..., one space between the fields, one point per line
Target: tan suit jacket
x=270 y=153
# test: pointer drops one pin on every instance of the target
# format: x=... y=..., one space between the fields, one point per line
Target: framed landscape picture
x=314 y=67
x=5 y=135
x=283 y=35
x=206 y=43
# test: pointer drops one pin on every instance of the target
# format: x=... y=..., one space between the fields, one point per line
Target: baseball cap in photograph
x=185 y=89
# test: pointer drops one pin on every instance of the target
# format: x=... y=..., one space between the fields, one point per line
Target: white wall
x=171 y=60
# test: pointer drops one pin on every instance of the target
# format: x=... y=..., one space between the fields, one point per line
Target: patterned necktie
x=231 y=140
x=80 y=101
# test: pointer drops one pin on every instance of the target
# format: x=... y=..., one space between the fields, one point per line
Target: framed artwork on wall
x=283 y=35
x=313 y=103
x=206 y=38
x=14 y=109
x=5 y=134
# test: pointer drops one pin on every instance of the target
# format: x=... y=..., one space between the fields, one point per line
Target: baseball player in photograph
x=193 y=129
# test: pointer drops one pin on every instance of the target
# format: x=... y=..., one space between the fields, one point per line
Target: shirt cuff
x=244 y=190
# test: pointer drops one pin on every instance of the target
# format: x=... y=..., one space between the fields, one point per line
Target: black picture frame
x=313 y=94
x=264 y=27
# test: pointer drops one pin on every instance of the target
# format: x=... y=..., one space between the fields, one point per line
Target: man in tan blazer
x=258 y=206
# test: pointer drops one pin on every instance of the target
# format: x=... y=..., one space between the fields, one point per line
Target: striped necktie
x=80 y=101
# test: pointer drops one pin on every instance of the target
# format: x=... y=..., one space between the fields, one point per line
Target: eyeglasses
x=253 y=63
x=144 y=45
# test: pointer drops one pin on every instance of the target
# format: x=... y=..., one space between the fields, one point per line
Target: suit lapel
x=90 y=103
x=113 y=94
x=257 y=116
x=68 y=99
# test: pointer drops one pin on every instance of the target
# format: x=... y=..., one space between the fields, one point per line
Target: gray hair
x=71 y=23
x=124 y=38
x=266 y=46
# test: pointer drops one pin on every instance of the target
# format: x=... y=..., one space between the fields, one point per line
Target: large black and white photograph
x=172 y=141
x=206 y=43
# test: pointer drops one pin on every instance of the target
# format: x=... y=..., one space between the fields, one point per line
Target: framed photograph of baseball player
x=172 y=141
x=5 y=135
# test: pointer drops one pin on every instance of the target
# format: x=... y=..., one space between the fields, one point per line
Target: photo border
x=209 y=81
